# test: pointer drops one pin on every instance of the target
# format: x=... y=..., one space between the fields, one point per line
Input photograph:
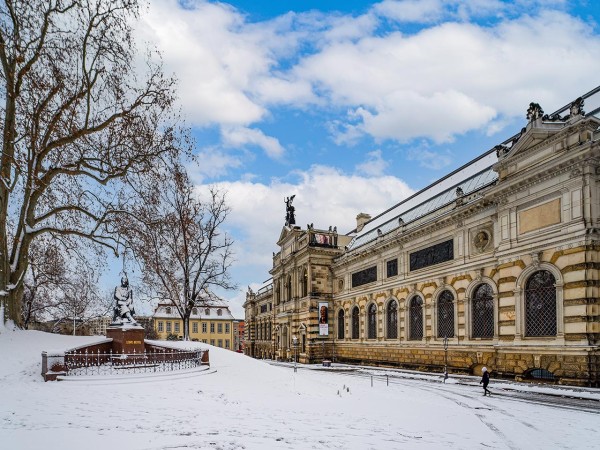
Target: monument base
x=126 y=339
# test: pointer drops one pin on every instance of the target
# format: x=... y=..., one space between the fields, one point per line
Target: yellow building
x=210 y=324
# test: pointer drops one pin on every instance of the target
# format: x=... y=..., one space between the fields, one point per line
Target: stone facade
x=496 y=264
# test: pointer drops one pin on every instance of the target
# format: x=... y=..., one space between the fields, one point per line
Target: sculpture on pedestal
x=290 y=218
x=123 y=310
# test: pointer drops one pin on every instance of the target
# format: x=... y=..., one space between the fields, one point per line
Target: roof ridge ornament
x=534 y=112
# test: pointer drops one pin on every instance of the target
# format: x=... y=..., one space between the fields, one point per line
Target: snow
x=242 y=403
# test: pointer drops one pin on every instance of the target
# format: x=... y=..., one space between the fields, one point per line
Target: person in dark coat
x=485 y=379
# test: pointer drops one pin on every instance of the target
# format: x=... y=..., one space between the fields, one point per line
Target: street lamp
x=445 y=358
x=295 y=345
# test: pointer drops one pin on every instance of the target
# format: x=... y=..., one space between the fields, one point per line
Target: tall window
x=168 y=327
x=482 y=312
x=219 y=328
x=176 y=327
x=372 y=319
x=340 y=324
x=204 y=327
x=160 y=327
x=415 y=314
x=212 y=327
x=305 y=283
x=195 y=327
x=277 y=294
x=445 y=314
x=540 y=304
x=226 y=328
x=288 y=288
x=355 y=322
x=392 y=320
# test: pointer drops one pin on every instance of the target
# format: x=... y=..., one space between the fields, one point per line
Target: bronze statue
x=290 y=218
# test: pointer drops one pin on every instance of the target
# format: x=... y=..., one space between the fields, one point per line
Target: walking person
x=485 y=379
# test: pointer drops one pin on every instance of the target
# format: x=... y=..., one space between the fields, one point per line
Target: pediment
x=531 y=136
x=286 y=232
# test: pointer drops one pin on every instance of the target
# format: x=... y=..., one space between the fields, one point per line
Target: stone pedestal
x=126 y=339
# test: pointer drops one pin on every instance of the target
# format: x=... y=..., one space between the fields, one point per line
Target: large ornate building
x=496 y=264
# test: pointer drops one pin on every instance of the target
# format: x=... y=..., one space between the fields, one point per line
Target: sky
x=244 y=403
x=352 y=106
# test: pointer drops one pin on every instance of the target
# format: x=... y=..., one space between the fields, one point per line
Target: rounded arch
x=392 y=307
x=355 y=322
x=372 y=320
x=520 y=299
x=341 y=323
x=415 y=316
x=481 y=312
x=445 y=316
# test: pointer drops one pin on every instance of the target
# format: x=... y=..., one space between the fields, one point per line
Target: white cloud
x=374 y=166
x=241 y=136
x=430 y=159
x=453 y=77
x=212 y=163
x=435 y=83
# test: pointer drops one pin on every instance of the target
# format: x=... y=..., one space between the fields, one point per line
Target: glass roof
x=471 y=177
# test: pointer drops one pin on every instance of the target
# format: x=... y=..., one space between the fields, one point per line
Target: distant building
x=496 y=264
x=97 y=325
x=209 y=324
x=238 y=329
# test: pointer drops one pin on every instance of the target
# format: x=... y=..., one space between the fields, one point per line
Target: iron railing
x=76 y=363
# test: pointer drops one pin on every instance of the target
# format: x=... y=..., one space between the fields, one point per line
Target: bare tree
x=178 y=239
x=58 y=268
x=75 y=119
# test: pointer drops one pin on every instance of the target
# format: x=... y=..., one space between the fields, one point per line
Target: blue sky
x=354 y=105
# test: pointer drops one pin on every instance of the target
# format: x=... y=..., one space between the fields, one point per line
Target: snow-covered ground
x=248 y=404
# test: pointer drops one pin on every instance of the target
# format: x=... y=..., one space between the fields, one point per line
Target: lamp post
x=295 y=345
x=445 y=358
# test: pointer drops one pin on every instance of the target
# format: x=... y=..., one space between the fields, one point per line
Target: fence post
x=371 y=380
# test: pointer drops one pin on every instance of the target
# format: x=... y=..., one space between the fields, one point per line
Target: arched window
x=355 y=322
x=340 y=324
x=540 y=304
x=372 y=319
x=445 y=314
x=219 y=312
x=482 y=312
x=168 y=310
x=392 y=320
x=288 y=288
x=195 y=311
x=415 y=314
x=305 y=283
x=278 y=294
x=207 y=312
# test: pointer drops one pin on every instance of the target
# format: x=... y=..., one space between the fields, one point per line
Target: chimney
x=361 y=221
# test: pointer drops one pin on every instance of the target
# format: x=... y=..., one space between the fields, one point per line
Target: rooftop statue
x=290 y=218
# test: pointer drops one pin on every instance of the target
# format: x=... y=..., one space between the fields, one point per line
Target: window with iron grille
x=341 y=324
x=372 y=317
x=392 y=320
x=540 y=304
x=355 y=323
x=392 y=268
x=482 y=312
x=415 y=314
x=446 y=314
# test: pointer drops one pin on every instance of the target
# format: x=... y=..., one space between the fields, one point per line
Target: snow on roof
x=198 y=312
